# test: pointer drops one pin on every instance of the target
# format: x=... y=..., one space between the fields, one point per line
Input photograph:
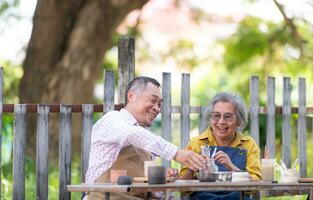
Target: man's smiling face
x=145 y=105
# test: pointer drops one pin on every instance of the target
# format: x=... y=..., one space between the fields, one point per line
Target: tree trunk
x=64 y=55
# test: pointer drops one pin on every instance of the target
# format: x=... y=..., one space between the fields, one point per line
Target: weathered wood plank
x=42 y=152
x=108 y=91
x=203 y=119
x=166 y=112
x=185 y=110
x=55 y=108
x=254 y=108
x=286 y=127
x=19 y=146
x=126 y=65
x=302 y=127
x=87 y=122
x=65 y=151
x=77 y=108
x=270 y=116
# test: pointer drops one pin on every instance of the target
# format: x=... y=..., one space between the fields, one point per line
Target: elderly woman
x=235 y=152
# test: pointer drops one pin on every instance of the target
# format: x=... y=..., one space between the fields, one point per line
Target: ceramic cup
x=147 y=164
x=156 y=175
x=268 y=169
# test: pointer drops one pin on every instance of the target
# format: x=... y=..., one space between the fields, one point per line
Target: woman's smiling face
x=223 y=120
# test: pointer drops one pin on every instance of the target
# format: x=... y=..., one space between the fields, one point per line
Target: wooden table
x=108 y=188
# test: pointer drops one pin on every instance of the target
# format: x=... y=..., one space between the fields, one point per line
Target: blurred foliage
x=6 y=4
x=8 y=13
x=266 y=48
x=12 y=75
x=183 y=52
x=7 y=138
x=268 y=41
x=110 y=60
x=248 y=42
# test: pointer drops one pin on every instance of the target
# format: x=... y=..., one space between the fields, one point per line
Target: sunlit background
x=220 y=43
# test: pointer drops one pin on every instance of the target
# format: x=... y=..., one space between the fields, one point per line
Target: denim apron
x=238 y=156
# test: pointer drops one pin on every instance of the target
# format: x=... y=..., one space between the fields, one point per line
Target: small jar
x=211 y=166
x=208 y=174
x=289 y=176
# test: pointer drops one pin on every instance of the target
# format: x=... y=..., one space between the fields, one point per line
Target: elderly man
x=120 y=139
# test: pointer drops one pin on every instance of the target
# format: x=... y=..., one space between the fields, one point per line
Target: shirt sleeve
x=143 y=138
x=254 y=162
x=116 y=131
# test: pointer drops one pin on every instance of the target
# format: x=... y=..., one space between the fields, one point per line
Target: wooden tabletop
x=189 y=186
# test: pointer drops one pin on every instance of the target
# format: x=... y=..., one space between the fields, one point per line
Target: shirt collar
x=207 y=135
x=129 y=117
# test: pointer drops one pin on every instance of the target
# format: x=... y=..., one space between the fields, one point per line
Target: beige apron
x=130 y=159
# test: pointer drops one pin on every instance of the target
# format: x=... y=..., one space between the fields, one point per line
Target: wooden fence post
x=302 y=127
x=286 y=129
x=108 y=98
x=185 y=110
x=42 y=152
x=87 y=123
x=166 y=112
x=65 y=152
x=270 y=116
x=126 y=65
x=254 y=108
x=19 y=146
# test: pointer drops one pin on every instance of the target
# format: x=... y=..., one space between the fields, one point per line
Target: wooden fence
x=87 y=111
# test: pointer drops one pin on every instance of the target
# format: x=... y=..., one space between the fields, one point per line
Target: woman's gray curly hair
x=237 y=101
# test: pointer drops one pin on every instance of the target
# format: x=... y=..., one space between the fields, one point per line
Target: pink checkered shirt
x=116 y=130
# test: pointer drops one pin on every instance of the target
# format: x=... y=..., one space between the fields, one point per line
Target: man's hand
x=190 y=159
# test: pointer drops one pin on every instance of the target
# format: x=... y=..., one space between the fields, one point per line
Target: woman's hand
x=172 y=173
x=222 y=158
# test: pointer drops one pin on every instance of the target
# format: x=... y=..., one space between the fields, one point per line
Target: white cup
x=147 y=164
x=268 y=169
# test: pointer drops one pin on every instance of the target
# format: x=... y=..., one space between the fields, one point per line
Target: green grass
x=295 y=197
x=30 y=180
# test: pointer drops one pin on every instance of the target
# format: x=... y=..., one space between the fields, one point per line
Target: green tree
x=66 y=49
